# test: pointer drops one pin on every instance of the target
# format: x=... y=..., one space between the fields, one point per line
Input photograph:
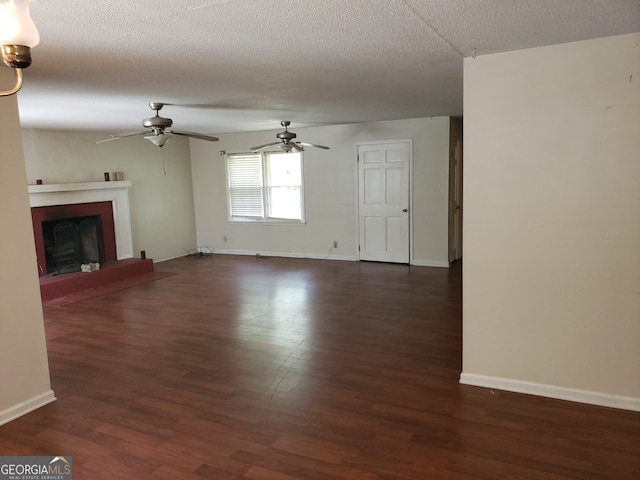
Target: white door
x=383 y=204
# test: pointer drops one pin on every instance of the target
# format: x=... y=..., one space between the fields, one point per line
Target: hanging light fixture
x=18 y=35
x=159 y=139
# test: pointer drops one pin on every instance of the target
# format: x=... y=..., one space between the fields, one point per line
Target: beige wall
x=24 y=369
x=330 y=191
x=551 y=296
x=162 y=215
x=162 y=207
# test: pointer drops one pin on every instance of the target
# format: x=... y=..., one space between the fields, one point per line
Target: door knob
x=405 y=210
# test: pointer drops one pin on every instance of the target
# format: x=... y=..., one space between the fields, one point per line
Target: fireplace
x=72 y=244
x=106 y=207
x=68 y=236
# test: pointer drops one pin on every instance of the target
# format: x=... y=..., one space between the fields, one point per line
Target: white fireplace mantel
x=86 y=192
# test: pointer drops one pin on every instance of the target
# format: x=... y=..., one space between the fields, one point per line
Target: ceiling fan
x=159 y=130
x=286 y=142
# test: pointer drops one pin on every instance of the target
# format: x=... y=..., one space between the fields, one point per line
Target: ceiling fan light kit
x=286 y=141
x=18 y=34
x=160 y=139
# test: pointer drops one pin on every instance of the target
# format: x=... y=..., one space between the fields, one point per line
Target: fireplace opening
x=72 y=242
x=46 y=217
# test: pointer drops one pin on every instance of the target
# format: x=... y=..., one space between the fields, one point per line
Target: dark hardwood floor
x=281 y=369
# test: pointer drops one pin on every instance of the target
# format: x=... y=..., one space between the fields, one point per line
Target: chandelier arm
x=18 y=85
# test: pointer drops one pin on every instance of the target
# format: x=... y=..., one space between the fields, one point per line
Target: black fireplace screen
x=72 y=242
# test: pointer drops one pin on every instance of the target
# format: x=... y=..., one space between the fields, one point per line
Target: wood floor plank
x=238 y=367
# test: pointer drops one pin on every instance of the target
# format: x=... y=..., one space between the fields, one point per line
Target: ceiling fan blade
x=313 y=145
x=296 y=146
x=118 y=136
x=199 y=136
x=108 y=139
x=262 y=147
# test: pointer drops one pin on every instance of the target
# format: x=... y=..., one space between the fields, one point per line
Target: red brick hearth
x=112 y=270
x=54 y=286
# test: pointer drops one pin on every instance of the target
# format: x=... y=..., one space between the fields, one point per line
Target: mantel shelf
x=73 y=187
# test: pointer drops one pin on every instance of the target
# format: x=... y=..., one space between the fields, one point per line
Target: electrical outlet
x=335 y=244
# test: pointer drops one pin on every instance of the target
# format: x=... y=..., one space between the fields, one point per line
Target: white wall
x=162 y=215
x=330 y=191
x=24 y=368
x=551 y=295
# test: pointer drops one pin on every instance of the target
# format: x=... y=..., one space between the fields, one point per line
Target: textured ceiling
x=243 y=65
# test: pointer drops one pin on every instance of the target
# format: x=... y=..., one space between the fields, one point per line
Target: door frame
x=357 y=191
x=455 y=199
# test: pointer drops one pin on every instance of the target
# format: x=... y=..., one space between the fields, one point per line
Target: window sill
x=266 y=223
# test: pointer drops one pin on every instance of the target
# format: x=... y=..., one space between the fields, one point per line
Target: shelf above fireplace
x=72 y=187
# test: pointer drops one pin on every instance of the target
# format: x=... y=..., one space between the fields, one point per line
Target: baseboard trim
x=429 y=263
x=321 y=256
x=26 y=406
x=318 y=256
x=551 y=391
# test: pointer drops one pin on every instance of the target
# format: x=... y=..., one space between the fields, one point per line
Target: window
x=265 y=187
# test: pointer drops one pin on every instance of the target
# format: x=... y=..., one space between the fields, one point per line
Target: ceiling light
x=18 y=35
x=160 y=139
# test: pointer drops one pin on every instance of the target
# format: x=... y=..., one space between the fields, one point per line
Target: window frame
x=265 y=219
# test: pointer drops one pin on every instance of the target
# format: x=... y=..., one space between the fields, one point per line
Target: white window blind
x=244 y=173
x=265 y=187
